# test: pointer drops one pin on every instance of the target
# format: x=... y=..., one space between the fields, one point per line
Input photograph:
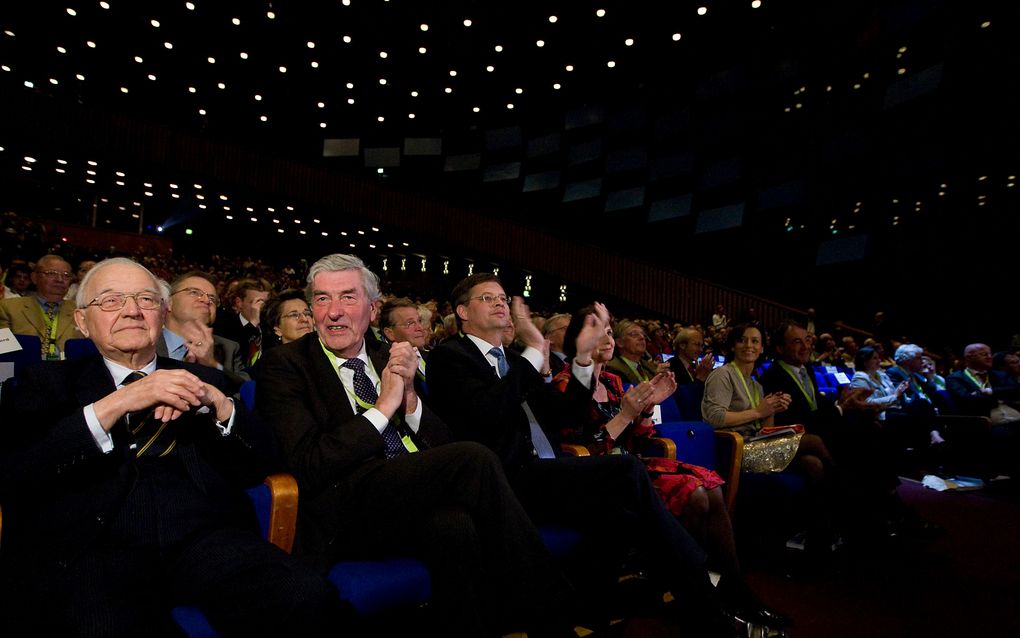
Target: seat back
x=695 y=441
x=247 y=393
x=688 y=401
x=79 y=348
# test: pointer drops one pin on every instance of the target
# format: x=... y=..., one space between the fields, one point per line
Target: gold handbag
x=771 y=450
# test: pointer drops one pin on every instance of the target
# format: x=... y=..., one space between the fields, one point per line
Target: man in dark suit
x=376 y=478
x=685 y=366
x=121 y=484
x=553 y=330
x=188 y=334
x=242 y=325
x=791 y=374
x=979 y=390
x=485 y=393
x=400 y=321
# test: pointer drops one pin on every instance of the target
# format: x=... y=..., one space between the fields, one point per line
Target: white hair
x=338 y=262
x=158 y=284
x=906 y=352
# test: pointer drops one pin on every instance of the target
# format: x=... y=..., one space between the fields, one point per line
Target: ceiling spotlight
x=540 y=43
x=315 y=64
x=168 y=45
x=211 y=60
x=321 y=105
x=381 y=118
x=676 y=37
x=350 y=100
x=569 y=68
x=557 y=86
x=310 y=44
x=410 y=116
x=236 y=22
x=258 y=98
x=475 y=109
x=629 y=42
x=80 y=77
x=490 y=68
x=448 y=90
x=424 y=27
x=518 y=91
x=383 y=55
x=702 y=11
x=90 y=44
x=553 y=19
x=192 y=89
x=600 y=13
x=138 y=59
x=499 y=48
x=263 y=118
x=350 y=85
x=382 y=81
x=154 y=23
x=611 y=64
x=755 y=4
x=244 y=56
x=510 y=107
x=414 y=94
x=347 y=39
x=61 y=50
x=283 y=69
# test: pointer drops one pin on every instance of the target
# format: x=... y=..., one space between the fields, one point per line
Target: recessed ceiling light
x=192 y=89
x=61 y=50
x=71 y=12
x=381 y=118
x=553 y=19
x=80 y=77
x=123 y=89
x=322 y=125
x=283 y=69
x=755 y=4
x=347 y=39
x=350 y=85
x=702 y=11
x=382 y=81
x=236 y=21
x=629 y=42
x=321 y=105
x=383 y=55
x=168 y=45
x=611 y=64
x=499 y=48
x=476 y=109
x=518 y=91
x=510 y=107
x=104 y=5
x=211 y=60
x=540 y=43
x=676 y=37
x=263 y=118
x=152 y=77
x=424 y=27
x=422 y=50
x=490 y=68
x=467 y=23
x=154 y=23
x=350 y=100
x=557 y=86
x=244 y=56
x=90 y=44
x=410 y=116
x=569 y=67
x=271 y=15
x=600 y=13
x=310 y=44
x=414 y=94
x=448 y=90
x=315 y=64
x=258 y=98
x=53 y=81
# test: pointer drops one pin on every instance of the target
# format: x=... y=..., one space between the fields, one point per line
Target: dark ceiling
x=823 y=139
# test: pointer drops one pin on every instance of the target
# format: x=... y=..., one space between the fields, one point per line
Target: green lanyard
x=405 y=439
x=979 y=384
x=754 y=399
x=812 y=402
x=913 y=382
x=51 y=324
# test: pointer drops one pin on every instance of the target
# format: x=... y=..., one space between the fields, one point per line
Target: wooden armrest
x=729 y=456
x=574 y=449
x=283 y=515
x=666 y=446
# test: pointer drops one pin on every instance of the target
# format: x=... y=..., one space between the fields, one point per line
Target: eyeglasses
x=195 y=293
x=295 y=314
x=55 y=274
x=410 y=323
x=492 y=299
x=113 y=301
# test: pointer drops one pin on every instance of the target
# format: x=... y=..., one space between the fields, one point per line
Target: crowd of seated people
x=431 y=429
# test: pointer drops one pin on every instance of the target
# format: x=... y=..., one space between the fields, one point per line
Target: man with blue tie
x=491 y=394
x=121 y=480
x=378 y=478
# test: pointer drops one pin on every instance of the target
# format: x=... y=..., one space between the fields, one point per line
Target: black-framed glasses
x=195 y=293
x=491 y=299
x=113 y=301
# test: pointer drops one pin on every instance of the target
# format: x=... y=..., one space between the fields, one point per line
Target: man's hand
x=663 y=387
x=171 y=392
x=704 y=367
x=527 y=332
x=391 y=390
x=199 y=338
x=404 y=361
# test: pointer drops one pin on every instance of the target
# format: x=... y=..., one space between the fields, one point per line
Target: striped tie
x=151 y=437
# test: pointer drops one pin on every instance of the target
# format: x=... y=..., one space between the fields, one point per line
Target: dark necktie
x=364 y=390
x=538 y=438
x=151 y=437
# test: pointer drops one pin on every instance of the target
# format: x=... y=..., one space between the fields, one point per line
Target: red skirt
x=676 y=480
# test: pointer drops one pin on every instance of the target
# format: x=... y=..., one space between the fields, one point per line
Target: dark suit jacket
x=968 y=398
x=325 y=444
x=469 y=396
x=681 y=373
x=227 y=353
x=936 y=399
x=59 y=490
x=818 y=421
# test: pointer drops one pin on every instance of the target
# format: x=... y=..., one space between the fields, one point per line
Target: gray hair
x=158 y=285
x=338 y=262
x=546 y=329
x=906 y=352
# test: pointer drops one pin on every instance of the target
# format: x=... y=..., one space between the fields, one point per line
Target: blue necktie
x=365 y=390
x=501 y=363
x=538 y=438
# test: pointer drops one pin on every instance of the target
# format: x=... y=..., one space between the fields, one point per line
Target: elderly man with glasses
x=121 y=479
x=45 y=314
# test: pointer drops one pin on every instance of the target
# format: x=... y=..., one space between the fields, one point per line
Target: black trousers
x=452 y=508
x=169 y=545
x=612 y=499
